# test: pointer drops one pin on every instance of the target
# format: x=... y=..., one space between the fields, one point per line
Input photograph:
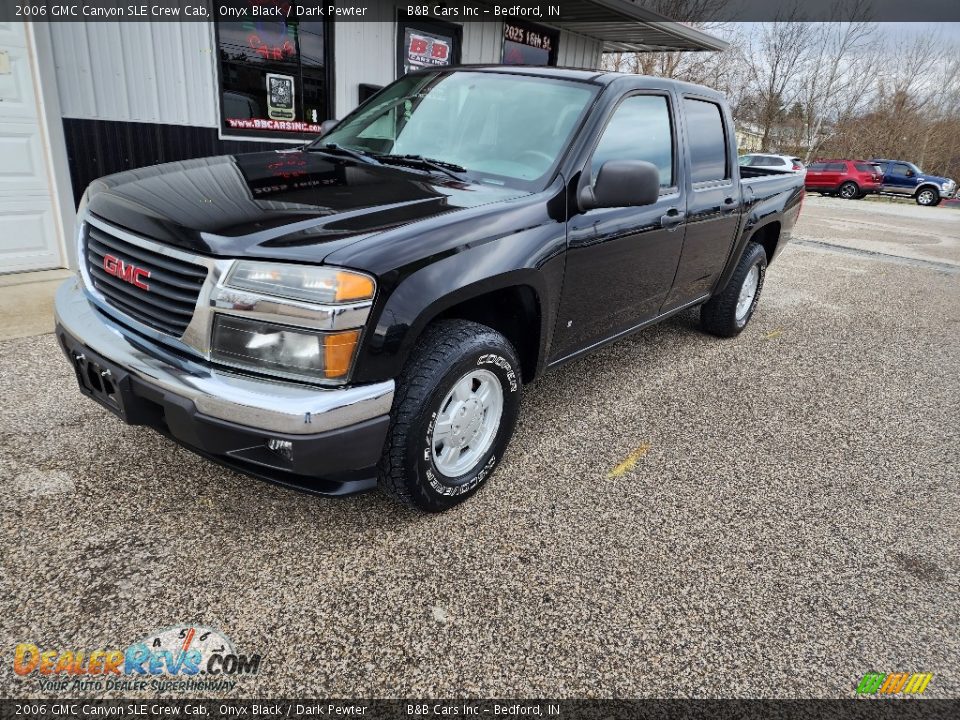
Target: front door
x=28 y=230
x=899 y=178
x=621 y=261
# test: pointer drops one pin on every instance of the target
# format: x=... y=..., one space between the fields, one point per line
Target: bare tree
x=776 y=59
x=842 y=58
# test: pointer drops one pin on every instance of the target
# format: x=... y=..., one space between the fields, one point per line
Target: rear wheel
x=453 y=415
x=727 y=314
x=928 y=197
x=849 y=190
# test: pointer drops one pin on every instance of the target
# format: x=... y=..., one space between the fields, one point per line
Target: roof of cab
x=600 y=77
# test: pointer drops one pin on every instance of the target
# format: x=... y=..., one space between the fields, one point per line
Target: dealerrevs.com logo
x=178 y=658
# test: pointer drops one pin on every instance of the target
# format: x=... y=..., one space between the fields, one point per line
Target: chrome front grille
x=167 y=302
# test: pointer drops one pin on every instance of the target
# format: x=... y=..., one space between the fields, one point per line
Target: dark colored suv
x=850 y=179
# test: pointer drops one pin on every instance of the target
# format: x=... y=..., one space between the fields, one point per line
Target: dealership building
x=79 y=100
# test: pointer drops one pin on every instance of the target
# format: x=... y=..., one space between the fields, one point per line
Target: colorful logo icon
x=894 y=683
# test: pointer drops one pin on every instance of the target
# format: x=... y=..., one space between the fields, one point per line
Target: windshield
x=504 y=129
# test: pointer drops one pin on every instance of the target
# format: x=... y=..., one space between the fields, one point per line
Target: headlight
x=294 y=352
x=321 y=285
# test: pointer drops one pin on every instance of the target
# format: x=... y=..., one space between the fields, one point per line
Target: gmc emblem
x=128 y=272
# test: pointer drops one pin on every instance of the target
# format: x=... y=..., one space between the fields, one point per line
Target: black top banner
x=505 y=709
x=556 y=12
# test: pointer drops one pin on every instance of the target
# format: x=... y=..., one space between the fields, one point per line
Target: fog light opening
x=283 y=448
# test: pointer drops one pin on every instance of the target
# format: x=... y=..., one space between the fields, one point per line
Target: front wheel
x=727 y=314
x=928 y=197
x=453 y=415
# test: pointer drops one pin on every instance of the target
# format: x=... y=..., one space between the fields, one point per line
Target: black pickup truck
x=366 y=309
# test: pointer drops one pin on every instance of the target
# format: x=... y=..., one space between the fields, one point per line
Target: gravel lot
x=677 y=516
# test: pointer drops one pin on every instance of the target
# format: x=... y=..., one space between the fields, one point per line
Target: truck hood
x=284 y=205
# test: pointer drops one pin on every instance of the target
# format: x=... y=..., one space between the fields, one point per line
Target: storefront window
x=274 y=73
x=528 y=44
x=426 y=44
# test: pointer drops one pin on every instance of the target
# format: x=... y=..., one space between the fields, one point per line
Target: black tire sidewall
x=932 y=203
x=438 y=491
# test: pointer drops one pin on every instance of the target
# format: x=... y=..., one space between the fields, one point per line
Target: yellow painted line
x=629 y=462
x=773 y=334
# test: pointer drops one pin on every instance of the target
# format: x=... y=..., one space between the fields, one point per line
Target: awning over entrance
x=625 y=26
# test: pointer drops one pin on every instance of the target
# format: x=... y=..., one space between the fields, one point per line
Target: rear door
x=622 y=261
x=713 y=201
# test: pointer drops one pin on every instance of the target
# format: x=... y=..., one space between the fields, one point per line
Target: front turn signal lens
x=338 y=351
x=353 y=286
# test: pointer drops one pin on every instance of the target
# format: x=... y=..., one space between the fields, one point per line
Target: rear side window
x=866 y=167
x=836 y=167
x=639 y=130
x=708 y=141
x=817 y=167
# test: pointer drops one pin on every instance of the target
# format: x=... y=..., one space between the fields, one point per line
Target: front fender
x=533 y=258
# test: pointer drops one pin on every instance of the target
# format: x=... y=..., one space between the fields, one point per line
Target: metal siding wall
x=578 y=51
x=141 y=72
x=482 y=42
x=364 y=52
x=165 y=72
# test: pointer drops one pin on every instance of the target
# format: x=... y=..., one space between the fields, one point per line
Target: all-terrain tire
x=719 y=315
x=447 y=352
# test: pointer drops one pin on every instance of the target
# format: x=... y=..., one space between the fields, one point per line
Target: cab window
x=639 y=129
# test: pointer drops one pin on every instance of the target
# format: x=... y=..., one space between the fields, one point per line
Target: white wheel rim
x=748 y=291
x=926 y=197
x=467 y=422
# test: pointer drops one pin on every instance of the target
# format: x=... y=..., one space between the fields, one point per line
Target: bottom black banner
x=864 y=708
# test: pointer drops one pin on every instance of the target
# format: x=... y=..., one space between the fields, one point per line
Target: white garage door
x=28 y=232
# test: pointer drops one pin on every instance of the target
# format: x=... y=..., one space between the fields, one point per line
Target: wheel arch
x=768 y=237
x=513 y=303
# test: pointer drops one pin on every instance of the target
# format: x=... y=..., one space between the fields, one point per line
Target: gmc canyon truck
x=367 y=309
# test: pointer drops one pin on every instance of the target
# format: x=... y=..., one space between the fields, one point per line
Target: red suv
x=847 y=178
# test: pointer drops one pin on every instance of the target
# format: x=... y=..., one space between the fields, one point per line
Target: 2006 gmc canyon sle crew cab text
x=366 y=309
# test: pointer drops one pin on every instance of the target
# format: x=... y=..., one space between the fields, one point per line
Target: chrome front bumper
x=265 y=405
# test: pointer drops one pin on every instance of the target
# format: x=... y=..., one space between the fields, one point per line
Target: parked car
x=850 y=179
x=905 y=178
x=367 y=308
x=786 y=163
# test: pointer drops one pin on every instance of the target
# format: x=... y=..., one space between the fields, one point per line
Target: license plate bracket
x=102 y=381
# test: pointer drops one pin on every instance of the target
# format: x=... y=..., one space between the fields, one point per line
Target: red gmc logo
x=127 y=272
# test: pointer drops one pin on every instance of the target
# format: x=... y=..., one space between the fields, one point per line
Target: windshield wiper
x=334 y=149
x=447 y=168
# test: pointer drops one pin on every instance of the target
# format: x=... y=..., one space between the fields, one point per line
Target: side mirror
x=910 y=173
x=622 y=183
x=326 y=126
